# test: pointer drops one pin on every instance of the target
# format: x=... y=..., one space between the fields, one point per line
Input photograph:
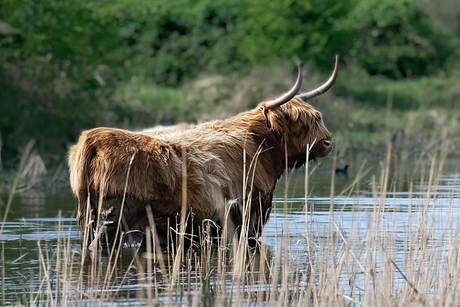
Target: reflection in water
x=33 y=203
x=133 y=276
x=347 y=245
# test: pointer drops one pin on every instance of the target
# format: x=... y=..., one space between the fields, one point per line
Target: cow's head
x=300 y=124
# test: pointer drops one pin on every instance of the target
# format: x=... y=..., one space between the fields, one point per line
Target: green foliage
x=407 y=94
x=444 y=14
x=173 y=41
x=396 y=39
x=71 y=65
x=142 y=105
x=294 y=30
x=51 y=67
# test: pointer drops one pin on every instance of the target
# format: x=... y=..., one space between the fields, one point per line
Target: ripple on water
x=292 y=230
x=38 y=229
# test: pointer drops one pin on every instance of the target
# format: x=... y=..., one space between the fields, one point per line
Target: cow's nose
x=329 y=143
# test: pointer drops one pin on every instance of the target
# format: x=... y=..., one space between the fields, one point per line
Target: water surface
x=356 y=211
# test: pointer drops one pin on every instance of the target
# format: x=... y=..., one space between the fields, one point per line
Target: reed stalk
x=375 y=258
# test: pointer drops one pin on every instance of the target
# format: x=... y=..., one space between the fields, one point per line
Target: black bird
x=342 y=171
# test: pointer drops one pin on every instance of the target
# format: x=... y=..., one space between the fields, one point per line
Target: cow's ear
x=267 y=120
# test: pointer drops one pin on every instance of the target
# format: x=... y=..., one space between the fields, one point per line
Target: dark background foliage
x=70 y=65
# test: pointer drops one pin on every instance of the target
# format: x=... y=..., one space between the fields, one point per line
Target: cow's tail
x=79 y=160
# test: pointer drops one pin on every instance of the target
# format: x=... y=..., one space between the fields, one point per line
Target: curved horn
x=326 y=86
x=289 y=95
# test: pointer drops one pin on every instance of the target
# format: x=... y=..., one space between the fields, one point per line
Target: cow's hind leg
x=111 y=227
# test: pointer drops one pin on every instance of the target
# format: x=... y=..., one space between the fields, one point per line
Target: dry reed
x=378 y=261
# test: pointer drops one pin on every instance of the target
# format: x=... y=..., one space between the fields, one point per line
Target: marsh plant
x=372 y=258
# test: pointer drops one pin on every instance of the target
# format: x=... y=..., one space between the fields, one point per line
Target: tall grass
x=379 y=261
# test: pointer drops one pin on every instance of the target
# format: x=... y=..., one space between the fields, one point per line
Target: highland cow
x=231 y=170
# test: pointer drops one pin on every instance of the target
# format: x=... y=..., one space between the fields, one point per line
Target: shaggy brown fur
x=145 y=169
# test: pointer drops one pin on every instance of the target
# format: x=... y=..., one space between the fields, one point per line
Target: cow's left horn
x=326 y=86
x=289 y=95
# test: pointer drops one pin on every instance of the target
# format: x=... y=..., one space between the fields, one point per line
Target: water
x=357 y=213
